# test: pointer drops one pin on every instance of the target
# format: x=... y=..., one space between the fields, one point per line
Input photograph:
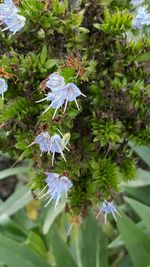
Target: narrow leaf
x=61 y=252
x=143 y=152
x=50 y=63
x=16 y=201
x=142 y=210
x=15 y=254
x=13 y=171
x=52 y=213
x=131 y=235
x=93 y=244
x=43 y=55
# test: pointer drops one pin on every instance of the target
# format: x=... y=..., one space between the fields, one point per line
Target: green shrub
x=88 y=46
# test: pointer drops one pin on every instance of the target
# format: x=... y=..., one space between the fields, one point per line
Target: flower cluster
x=61 y=93
x=9 y=15
x=141 y=19
x=107 y=208
x=53 y=144
x=3 y=87
x=57 y=186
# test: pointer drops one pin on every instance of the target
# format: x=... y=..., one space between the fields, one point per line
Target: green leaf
x=139 y=193
x=125 y=262
x=116 y=243
x=16 y=201
x=93 y=245
x=43 y=55
x=137 y=244
x=61 y=252
x=36 y=242
x=142 y=210
x=12 y=229
x=143 y=152
x=97 y=26
x=13 y=171
x=15 y=254
x=50 y=63
x=52 y=213
x=142 y=179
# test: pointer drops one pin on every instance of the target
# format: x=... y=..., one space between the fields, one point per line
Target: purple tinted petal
x=71 y=92
x=56 y=144
x=15 y=22
x=3 y=86
x=55 y=81
x=43 y=140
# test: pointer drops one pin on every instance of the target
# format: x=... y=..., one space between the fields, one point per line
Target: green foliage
x=128 y=169
x=116 y=23
x=106 y=132
x=45 y=240
x=106 y=176
x=89 y=47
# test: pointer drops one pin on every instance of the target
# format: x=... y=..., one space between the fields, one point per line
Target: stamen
x=105 y=218
x=9 y=27
x=117 y=212
x=57 y=201
x=59 y=132
x=67 y=148
x=46 y=110
x=53 y=156
x=33 y=143
x=114 y=215
x=41 y=100
x=70 y=228
x=99 y=213
x=83 y=95
x=65 y=106
x=5 y=29
x=43 y=195
x=42 y=191
x=77 y=104
x=62 y=153
x=48 y=201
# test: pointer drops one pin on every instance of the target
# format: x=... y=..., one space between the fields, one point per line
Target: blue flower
x=14 y=23
x=142 y=18
x=56 y=147
x=3 y=87
x=43 y=140
x=7 y=8
x=57 y=186
x=9 y=15
x=107 y=208
x=55 y=81
x=61 y=95
x=136 y=2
